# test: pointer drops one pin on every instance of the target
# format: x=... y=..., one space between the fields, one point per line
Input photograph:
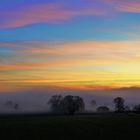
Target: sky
x=69 y=44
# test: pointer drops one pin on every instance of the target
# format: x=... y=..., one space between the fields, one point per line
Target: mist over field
x=88 y=48
x=37 y=100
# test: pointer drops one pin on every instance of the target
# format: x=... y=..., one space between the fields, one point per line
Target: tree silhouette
x=16 y=106
x=67 y=105
x=119 y=104
x=9 y=103
x=79 y=103
x=93 y=104
x=137 y=108
x=55 y=103
x=12 y=105
x=127 y=109
x=71 y=104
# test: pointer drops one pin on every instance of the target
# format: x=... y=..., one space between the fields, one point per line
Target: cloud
x=62 y=12
x=44 y=13
x=37 y=55
x=43 y=55
x=90 y=49
x=129 y=6
x=81 y=64
x=30 y=55
x=19 y=66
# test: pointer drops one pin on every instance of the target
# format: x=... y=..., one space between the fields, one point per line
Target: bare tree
x=93 y=104
x=119 y=104
x=55 y=102
x=16 y=106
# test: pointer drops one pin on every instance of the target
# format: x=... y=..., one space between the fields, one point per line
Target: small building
x=103 y=109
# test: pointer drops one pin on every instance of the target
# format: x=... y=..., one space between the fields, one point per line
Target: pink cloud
x=57 y=12
x=130 y=6
x=44 y=13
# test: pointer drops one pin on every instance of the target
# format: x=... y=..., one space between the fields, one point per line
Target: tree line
x=75 y=104
x=67 y=105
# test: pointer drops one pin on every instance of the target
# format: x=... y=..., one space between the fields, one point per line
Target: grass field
x=96 y=126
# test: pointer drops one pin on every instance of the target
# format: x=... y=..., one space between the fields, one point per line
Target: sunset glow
x=88 y=44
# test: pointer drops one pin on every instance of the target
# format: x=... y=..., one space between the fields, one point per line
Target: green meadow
x=95 y=126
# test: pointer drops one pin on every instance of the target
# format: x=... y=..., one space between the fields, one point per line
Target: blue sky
x=58 y=38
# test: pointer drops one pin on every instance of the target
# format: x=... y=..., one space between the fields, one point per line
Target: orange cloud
x=90 y=49
x=82 y=53
x=83 y=64
x=19 y=66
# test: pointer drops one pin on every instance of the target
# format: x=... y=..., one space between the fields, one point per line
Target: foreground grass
x=96 y=126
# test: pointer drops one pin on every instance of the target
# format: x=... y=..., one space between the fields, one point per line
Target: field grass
x=96 y=126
